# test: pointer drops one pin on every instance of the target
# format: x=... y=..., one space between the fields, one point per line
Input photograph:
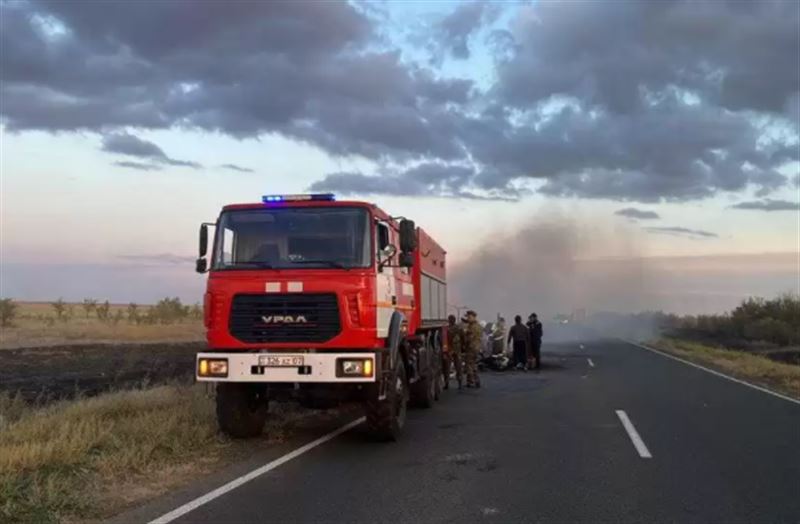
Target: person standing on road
x=455 y=345
x=520 y=336
x=472 y=349
x=536 y=333
x=498 y=333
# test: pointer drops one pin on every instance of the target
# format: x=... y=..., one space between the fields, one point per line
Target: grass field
x=91 y=458
x=39 y=324
x=778 y=376
x=72 y=459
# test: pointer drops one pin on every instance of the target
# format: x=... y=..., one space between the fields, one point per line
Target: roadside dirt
x=54 y=372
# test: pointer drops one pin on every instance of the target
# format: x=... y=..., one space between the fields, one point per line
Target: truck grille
x=294 y=317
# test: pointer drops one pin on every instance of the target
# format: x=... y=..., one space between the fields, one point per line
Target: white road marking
x=582 y=346
x=638 y=443
x=230 y=486
x=591 y=364
x=717 y=373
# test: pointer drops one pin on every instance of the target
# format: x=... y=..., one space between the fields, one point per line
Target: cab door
x=386 y=285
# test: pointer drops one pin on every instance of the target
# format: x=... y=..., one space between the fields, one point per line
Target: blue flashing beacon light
x=272 y=199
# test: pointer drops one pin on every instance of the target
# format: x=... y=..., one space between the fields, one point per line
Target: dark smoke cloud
x=637 y=214
x=548 y=267
x=557 y=264
x=768 y=205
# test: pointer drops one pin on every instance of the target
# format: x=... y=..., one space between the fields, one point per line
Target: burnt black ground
x=55 y=372
x=546 y=447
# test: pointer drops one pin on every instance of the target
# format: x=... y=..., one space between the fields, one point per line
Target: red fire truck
x=321 y=301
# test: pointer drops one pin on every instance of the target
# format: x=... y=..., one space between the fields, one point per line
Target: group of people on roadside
x=464 y=347
x=526 y=342
x=465 y=340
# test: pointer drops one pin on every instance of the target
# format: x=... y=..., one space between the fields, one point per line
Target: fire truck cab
x=320 y=301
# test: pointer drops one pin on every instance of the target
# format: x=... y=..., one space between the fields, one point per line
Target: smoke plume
x=563 y=263
x=554 y=265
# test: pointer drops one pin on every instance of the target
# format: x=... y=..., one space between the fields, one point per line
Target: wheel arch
x=395 y=340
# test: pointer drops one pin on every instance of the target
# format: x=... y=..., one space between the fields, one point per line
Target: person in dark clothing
x=536 y=333
x=519 y=335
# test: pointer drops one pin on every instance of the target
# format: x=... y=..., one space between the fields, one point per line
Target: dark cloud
x=138 y=165
x=429 y=179
x=632 y=101
x=768 y=204
x=637 y=214
x=453 y=32
x=300 y=69
x=646 y=100
x=238 y=169
x=672 y=151
x=129 y=145
x=738 y=55
x=132 y=146
x=682 y=231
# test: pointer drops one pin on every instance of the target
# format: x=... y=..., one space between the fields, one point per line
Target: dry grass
x=76 y=460
x=784 y=378
x=36 y=325
x=92 y=458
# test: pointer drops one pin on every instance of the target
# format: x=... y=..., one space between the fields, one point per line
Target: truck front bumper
x=285 y=367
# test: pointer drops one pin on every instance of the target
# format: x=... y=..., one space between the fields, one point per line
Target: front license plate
x=281 y=361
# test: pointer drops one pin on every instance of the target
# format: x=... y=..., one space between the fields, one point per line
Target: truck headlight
x=212 y=367
x=356 y=367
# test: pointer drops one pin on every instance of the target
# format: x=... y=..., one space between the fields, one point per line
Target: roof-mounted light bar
x=271 y=199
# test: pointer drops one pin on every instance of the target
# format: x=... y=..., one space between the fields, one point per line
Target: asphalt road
x=551 y=447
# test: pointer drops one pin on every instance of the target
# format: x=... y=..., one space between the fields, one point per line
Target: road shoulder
x=754 y=371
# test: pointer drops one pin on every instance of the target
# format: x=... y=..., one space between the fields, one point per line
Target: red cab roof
x=300 y=203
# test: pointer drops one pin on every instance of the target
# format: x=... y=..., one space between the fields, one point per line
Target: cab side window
x=383 y=237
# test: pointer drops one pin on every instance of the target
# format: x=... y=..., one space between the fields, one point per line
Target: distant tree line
x=165 y=311
x=776 y=321
x=756 y=320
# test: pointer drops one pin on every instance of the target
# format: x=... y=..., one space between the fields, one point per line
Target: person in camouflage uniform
x=455 y=345
x=472 y=349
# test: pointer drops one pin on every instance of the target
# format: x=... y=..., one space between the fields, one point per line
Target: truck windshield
x=293 y=238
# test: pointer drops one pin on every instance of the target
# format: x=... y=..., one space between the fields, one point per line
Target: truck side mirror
x=201 y=265
x=408 y=236
x=406 y=259
x=203 y=240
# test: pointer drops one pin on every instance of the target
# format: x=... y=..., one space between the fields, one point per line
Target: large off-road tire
x=423 y=391
x=438 y=368
x=241 y=409
x=386 y=417
x=426 y=389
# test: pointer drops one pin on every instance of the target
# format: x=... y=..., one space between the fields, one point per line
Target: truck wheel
x=438 y=374
x=424 y=391
x=241 y=409
x=386 y=417
x=439 y=383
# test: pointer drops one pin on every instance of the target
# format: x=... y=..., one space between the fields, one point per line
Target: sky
x=644 y=131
